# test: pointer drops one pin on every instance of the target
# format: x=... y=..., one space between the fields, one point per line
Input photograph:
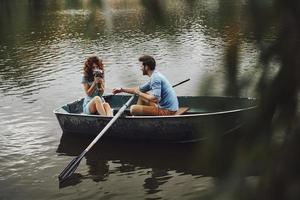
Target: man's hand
x=117 y=90
x=137 y=91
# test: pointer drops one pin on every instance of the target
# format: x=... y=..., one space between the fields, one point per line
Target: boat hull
x=192 y=126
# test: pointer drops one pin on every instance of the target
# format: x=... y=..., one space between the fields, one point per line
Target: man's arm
x=126 y=90
x=146 y=96
x=136 y=91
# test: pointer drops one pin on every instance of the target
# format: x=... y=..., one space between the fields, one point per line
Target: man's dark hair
x=148 y=61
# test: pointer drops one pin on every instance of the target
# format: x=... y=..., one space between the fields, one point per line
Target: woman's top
x=96 y=91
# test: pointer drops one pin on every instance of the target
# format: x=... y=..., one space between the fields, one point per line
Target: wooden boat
x=207 y=117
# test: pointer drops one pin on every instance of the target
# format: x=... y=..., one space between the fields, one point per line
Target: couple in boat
x=156 y=96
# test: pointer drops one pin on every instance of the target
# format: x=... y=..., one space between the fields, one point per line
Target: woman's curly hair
x=88 y=66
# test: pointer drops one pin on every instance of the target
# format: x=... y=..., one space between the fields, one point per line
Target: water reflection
x=158 y=160
x=158 y=177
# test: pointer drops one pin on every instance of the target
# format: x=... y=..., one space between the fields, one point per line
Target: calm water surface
x=43 y=45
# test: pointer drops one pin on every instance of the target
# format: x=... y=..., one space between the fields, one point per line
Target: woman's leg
x=96 y=105
x=107 y=109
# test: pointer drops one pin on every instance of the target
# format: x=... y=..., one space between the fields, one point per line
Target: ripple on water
x=24 y=133
x=40 y=66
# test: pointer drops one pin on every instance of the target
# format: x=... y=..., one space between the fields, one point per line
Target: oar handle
x=181 y=82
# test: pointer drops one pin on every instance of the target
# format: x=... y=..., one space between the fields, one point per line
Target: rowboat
x=207 y=116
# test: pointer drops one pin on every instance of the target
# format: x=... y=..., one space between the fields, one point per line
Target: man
x=156 y=97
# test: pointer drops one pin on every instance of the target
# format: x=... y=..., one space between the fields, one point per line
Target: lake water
x=43 y=45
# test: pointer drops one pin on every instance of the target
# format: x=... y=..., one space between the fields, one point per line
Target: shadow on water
x=160 y=158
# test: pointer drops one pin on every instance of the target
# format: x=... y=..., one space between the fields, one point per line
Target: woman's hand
x=101 y=88
x=97 y=80
x=100 y=84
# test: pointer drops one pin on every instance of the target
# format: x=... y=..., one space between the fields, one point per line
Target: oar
x=68 y=171
x=181 y=82
x=72 y=166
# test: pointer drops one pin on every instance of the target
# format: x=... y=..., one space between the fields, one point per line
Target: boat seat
x=181 y=110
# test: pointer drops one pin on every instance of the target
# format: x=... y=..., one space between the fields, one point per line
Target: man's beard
x=144 y=71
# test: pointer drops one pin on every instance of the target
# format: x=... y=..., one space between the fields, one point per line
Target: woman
x=93 y=85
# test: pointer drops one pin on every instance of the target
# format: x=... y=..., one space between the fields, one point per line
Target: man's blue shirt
x=160 y=87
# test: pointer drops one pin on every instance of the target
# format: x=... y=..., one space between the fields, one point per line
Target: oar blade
x=69 y=170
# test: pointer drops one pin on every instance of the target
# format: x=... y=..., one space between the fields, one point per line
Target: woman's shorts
x=86 y=105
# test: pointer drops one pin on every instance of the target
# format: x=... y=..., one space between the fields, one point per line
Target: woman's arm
x=102 y=86
x=89 y=89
